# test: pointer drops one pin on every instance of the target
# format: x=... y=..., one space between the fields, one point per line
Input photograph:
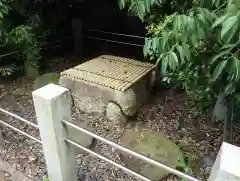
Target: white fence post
x=227 y=164
x=52 y=105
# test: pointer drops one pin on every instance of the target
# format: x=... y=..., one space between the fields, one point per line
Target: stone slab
x=114 y=72
x=153 y=145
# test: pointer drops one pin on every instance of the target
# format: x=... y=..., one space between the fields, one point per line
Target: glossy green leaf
x=158 y=2
x=122 y=4
x=181 y=52
x=160 y=58
x=232 y=7
x=206 y=13
x=228 y=24
x=165 y=63
x=169 y=19
x=218 y=70
x=164 y=40
x=231 y=34
x=217 y=3
x=237 y=68
x=160 y=49
x=140 y=9
x=173 y=60
x=237 y=3
x=229 y=46
x=201 y=19
x=155 y=43
x=200 y=33
x=187 y=52
x=147 y=5
x=229 y=89
x=147 y=46
x=220 y=55
x=193 y=40
x=179 y=22
x=220 y=20
x=191 y=26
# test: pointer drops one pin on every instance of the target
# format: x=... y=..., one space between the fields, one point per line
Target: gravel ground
x=164 y=112
x=27 y=156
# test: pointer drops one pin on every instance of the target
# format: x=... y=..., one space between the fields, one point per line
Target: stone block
x=227 y=164
x=94 y=84
x=153 y=145
x=114 y=113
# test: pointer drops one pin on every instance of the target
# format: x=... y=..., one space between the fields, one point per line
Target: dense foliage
x=16 y=35
x=25 y=26
x=196 y=43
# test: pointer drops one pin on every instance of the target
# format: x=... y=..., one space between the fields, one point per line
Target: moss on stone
x=153 y=145
x=46 y=79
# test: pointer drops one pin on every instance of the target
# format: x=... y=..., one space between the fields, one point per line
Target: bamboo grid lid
x=110 y=71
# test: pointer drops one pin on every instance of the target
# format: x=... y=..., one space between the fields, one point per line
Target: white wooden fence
x=53 y=110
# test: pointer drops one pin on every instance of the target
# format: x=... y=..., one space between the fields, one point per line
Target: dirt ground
x=166 y=112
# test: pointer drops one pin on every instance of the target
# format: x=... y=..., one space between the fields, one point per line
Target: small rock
x=7 y=174
x=113 y=113
x=32 y=158
x=207 y=161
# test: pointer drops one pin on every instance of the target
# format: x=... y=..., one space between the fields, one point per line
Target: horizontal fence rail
x=58 y=42
x=107 y=160
x=19 y=131
x=113 y=41
x=16 y=129
x=118 y=34
x=53 y=108
x=44 y=45
x=18 y=117
x=146 y=159
x=11 y=53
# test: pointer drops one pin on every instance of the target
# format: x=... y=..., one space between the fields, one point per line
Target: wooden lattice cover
x=110 y=71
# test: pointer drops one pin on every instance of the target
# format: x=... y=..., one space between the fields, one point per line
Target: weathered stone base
x=110 y=86
x=114 y=113
x=95 y=99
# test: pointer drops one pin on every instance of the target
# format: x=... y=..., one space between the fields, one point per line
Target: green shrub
x=196 y=43
x=14 y=36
